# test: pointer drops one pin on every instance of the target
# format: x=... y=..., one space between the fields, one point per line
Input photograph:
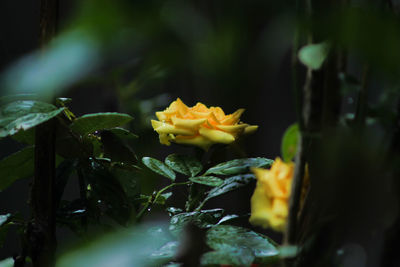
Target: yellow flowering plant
x=269 y=203
x=199 y=125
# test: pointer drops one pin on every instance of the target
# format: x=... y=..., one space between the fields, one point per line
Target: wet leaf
x=239 y=166
x=230 y=184
x=159 y=167
x=233 y=256
x=231 y=240
x=23 y=115
x=90 y=123
x=202 y=219
x=207 y=180
x=184 y=164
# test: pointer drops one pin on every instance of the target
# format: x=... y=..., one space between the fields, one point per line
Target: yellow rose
x=199 y=125
x=270 y=200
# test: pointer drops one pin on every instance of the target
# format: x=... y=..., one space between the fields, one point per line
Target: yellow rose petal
x=277 y=223
x=232 y=128
x=260 y=207
x=181 y=107
x=273 y=188
x=187 y=123
x=217 y=136
x=198 y=114
x=250 y=129
x=280 y=207
x=166 y=138
x=218 y=112
x=161 y=116
x=199 y=141
x=234 y=117
x=200 y=108
x=165 y=128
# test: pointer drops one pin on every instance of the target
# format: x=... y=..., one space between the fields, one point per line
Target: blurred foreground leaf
x=237 y=166
x=289 y=142
x=314 y=55
x=126 y=248
x=23 y=115
x=99 y=121
x=67 y=59
x=159 y=167
x=9 y=262
x=184 y=164
x=16 y=166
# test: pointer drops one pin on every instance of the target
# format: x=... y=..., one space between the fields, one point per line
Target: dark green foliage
x=99 y=121
x=16 y=166
x=229 y=242
x=23 y=115
x=184 y=164
x=107 y=191
x=202 y=219
x=159 y=167
x=239 y=166
x=116 y=149
x=230 y=184
x=207 y=180
x=4 y=219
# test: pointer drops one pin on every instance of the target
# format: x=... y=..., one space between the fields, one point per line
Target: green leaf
x=9 y=262
x=230 y=184
x=107 y=192
x=207 y=180
x=26 y=137
x=314 y=55
x=17 y=97
x=132 y=247
x=16 y=166
x=228 y=218
x=159 y=167
x=4 y=218
x=128 y=180
x=3 y=233
x=117 y=149
x=235 y=256
x=230 y=240
x=123 y=133
x=184 y=164
x=203 y=219
x=23 y=115
x=166 y=252
x=237 y=166
x=289 y=142
x=90 y=123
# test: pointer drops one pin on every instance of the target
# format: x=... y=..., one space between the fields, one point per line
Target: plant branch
x=361 y=108
x=153 y=200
